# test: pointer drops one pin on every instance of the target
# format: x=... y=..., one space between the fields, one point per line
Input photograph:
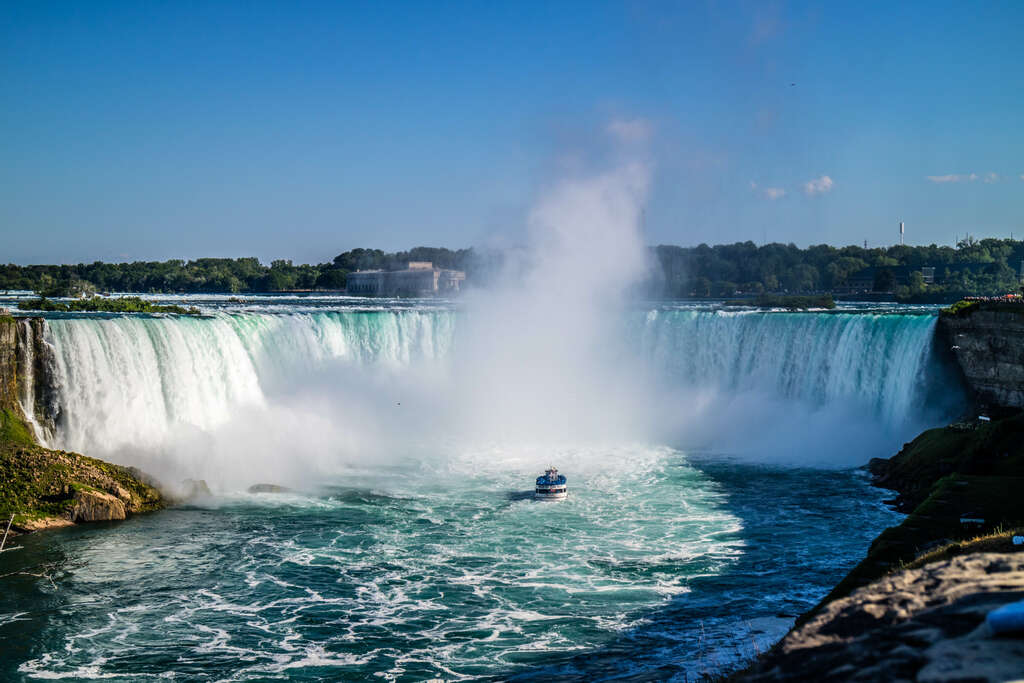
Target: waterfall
x=134 y=383
x=882 y=360
x=26 y=370
x=38 y=407
x=130 y=381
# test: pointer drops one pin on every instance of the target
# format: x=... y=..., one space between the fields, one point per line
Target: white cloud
x=818 y=185
x=990 y=177
x=631 y=131
x=772 y=193
x=953 y=178
x=1022 y=176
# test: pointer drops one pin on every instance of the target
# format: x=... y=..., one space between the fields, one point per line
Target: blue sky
x=155 y=130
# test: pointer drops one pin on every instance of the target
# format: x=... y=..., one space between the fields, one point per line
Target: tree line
x=210 y=275
x=973 y=267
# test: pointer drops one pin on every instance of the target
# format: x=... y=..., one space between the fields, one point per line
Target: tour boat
x=550 y=486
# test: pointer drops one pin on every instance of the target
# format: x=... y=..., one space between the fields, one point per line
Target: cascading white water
x=880 y=360
x=132 y=381
x=139 y=382
x=26 y=369
x=27 y=380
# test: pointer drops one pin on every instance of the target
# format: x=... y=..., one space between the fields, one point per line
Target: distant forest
x=212 y=275
x=973 y=267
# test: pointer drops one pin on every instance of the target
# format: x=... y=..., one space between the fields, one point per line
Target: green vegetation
x=790 y=301
x=973 y=267
x=220 y=274
x=965 y=307
x=960 y=307
x=36 y=482
x=13 y=430
x=124 y=304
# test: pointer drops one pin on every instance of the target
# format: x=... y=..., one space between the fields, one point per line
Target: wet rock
x=268 y=488
x=90 y=505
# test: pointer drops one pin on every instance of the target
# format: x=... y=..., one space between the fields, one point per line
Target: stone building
x=420 y=278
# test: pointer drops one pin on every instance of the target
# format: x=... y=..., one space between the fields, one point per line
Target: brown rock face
x=923 y=624
x=96 y=506
x=989 y=346
x=8 y=362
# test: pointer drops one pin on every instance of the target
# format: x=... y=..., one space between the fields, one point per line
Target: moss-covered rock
x=44 y=488
x=38 y=483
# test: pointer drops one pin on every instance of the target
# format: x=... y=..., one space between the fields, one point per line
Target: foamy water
x=655 y=563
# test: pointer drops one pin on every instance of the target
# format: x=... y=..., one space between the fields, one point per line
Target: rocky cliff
x=925 y=624
x=8 y=362
x=988 y=341
x=36 y=386
x=43 y=487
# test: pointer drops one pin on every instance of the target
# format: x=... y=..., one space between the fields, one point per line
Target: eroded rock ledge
x=924 y=624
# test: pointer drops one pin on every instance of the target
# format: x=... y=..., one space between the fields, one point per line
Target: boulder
x=268 y=488
x=90 y=505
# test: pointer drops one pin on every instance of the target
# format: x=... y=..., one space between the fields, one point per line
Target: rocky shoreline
x=926 y=624
x=914 y=609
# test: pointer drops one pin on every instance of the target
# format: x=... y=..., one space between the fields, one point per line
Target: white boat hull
x=544 y=495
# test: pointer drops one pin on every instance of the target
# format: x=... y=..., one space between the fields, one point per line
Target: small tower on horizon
x=901 y=233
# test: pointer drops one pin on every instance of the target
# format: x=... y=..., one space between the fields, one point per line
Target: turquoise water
x=410 y=548
x=658 y=565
